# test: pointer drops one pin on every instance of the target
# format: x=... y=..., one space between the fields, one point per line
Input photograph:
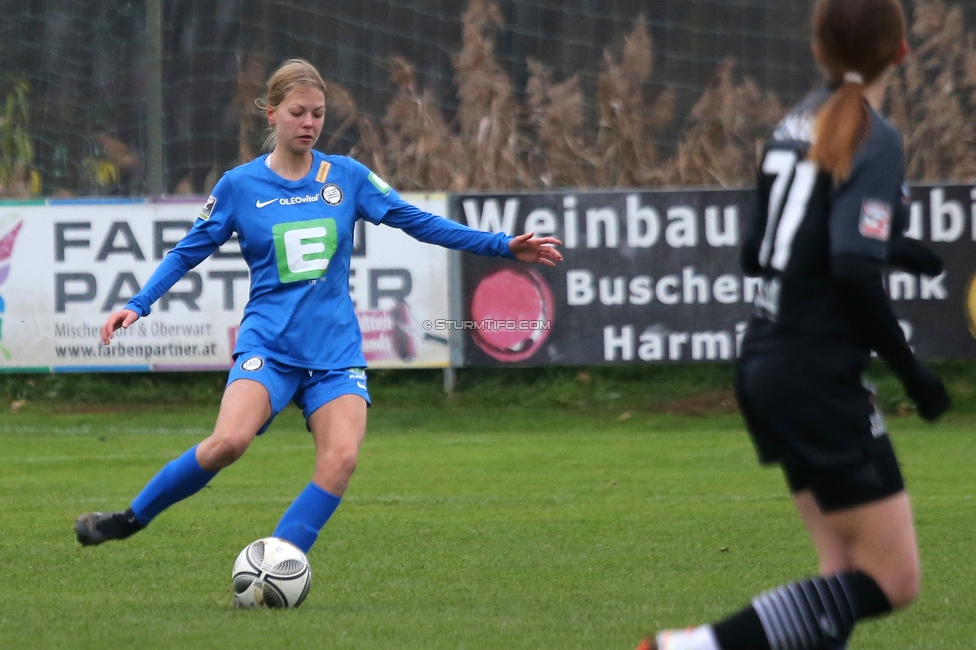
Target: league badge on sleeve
x=875 y=220
x=208 y=207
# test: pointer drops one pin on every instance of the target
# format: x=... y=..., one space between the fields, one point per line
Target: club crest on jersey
x=208 y=207
x=253 y=364
x=331 y=194
x=875 y=220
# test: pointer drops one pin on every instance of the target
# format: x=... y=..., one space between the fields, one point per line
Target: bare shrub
x=933 y=96
x=370 y=149
x=731 y=123
x=251 y=122
x=496 y=143
x=625 y=149
x=488 y=112
x=423 y=152
x=559 y=157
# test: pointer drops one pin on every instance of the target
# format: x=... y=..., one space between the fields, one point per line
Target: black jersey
x=804 y=220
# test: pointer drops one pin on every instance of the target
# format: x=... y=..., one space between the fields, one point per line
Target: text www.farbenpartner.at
x=122 y=351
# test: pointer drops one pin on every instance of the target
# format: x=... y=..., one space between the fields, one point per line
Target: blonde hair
x=290 y=75
x=858 y=40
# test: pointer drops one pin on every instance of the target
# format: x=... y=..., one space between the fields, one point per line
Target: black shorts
x=838 y=488
x=814 y=416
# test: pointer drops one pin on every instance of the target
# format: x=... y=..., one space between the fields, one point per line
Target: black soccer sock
x=741 y=631
x=808 y=615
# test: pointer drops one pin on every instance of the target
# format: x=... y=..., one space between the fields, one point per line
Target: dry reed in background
x=495 y=143
x=625 y=145
x=731 y=123
x=933 y=96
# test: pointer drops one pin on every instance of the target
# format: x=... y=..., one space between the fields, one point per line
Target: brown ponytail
x=842 y=125
x=855 y=38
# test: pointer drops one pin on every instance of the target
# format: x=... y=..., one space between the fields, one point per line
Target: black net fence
x=446 y=95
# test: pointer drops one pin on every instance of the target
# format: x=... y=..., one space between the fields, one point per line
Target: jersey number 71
x=789 y=195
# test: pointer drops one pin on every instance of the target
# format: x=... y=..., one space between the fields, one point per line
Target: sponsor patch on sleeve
x=875 y=220
x=379 y=183
x=208 y=207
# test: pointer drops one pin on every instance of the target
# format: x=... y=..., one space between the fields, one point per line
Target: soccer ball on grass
x=271 y=573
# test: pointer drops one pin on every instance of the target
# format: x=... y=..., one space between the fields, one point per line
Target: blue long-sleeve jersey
x=296 y=238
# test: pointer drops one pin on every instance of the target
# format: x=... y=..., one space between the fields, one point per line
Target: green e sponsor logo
x=379 y=183
x=303 y=248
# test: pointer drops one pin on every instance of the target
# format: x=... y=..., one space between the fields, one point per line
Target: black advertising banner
x=653 y=277
x=938 y=313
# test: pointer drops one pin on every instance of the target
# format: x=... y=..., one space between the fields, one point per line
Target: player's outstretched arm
x=431 y=229
x=863 y=297
x=119 y=319
x=535 y=250
x=195 y=247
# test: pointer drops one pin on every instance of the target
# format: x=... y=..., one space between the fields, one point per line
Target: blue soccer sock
x=306 y=515
x=179 y=479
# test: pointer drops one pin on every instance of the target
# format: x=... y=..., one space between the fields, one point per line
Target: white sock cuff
x=699 y=638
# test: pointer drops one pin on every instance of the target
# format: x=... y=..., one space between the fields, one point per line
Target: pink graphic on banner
x=517 y=296
x=7 y=242
x=389 y=334
x=6 y=252
x=232 y=337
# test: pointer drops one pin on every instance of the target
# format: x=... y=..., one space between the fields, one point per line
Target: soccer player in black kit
x=829 y=217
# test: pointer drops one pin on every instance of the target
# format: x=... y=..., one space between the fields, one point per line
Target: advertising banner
x=66 y=264
x=653 y=276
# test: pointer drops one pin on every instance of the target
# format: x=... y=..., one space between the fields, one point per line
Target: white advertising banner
x=66 y=264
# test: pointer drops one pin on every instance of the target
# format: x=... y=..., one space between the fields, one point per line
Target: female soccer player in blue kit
x=293 y=211
x=829 y=209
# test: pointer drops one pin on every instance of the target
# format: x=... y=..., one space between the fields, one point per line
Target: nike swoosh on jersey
x=261 y=204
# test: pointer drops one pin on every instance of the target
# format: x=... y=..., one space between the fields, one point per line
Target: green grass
x=601 y=391
x=579 y=517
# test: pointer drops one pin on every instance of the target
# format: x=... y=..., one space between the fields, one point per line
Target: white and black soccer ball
x=271 y=573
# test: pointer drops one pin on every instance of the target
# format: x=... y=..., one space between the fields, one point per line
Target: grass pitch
x=465 y=526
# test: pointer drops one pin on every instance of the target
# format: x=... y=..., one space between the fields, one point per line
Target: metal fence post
x=154 y=98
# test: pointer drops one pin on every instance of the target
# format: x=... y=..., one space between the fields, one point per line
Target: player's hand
x=929 y=394
x=539 y=250
x=929 y=263
x=122 y=318
x=914 y=257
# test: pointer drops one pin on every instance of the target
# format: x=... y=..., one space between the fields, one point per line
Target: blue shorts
x=309 y=389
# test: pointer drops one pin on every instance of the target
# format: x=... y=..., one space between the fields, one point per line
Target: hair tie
x=854 y=77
